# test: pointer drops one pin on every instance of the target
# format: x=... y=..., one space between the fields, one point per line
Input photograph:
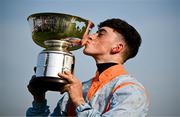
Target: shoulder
x=127 y=82
x=129 y=92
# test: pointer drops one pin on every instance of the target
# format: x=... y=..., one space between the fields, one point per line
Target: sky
x=156 y=66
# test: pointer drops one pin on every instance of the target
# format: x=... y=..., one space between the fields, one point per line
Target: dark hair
x=131 y=36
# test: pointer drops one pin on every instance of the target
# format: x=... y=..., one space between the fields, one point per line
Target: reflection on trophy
x=58 y=34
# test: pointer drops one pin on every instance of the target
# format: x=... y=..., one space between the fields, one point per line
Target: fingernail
x=67 y=72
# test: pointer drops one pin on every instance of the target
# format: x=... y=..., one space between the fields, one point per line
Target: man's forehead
x=106 y=29
x=109 y=29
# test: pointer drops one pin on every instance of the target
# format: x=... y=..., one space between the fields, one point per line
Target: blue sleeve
x=61 y=108
x=86 y=110
x=38 y=109
x=41 y=109
x=125 y=102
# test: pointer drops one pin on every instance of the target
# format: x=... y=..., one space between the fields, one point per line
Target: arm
x=61 y=108
x=39 y=105
x=38 y=109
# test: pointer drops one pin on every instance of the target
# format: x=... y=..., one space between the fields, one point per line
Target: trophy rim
x=54 y=13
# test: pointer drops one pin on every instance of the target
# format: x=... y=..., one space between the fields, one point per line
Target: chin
x=86 y=52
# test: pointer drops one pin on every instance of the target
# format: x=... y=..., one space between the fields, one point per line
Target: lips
x=85 y=43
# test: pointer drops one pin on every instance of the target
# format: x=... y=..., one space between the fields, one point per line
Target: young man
x=112 y=92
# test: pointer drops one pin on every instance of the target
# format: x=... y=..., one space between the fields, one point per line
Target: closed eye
x=101 y=32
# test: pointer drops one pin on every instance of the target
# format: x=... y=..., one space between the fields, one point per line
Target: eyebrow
x=101 y=30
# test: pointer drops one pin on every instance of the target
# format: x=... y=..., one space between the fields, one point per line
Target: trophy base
x=48 y=83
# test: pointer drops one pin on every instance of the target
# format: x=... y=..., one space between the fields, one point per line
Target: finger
x=84 y=40
x=65 y=88
x=85 y=36
x=77 y=42
x=90 y=24
x=66 y=75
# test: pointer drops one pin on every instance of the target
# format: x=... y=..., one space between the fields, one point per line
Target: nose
x=88 y=37
x=92 y=36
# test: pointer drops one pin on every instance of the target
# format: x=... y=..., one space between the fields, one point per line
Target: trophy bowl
x=57 y=26
x=59 y=34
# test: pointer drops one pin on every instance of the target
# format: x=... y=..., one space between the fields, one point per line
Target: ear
x=117 y=49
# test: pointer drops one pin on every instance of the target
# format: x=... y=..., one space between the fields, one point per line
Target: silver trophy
x=59 y=34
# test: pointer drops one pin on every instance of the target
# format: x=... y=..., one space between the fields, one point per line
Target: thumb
x=88 y=29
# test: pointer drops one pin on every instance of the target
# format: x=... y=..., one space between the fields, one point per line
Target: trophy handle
x=88 y=29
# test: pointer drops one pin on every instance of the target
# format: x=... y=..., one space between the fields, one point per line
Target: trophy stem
x=58 y=45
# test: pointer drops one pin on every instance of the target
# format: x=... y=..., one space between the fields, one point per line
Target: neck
x=111 y=59
x=106 y=61
x=103 y=66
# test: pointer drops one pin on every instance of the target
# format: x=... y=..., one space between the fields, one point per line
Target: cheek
x=104 y=46
x=100 y=46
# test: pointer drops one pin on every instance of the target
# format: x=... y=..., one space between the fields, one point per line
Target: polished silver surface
x=50 y=63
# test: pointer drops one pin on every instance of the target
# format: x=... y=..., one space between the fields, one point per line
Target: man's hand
x=38 y=94
x=85 y=36
x=74 y=88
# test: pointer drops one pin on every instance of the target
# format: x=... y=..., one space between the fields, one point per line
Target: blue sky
x=156 y=65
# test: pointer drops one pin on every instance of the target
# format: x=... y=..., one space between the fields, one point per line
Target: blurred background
x=156 y=66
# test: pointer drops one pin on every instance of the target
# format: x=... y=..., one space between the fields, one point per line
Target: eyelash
x=100 y=34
